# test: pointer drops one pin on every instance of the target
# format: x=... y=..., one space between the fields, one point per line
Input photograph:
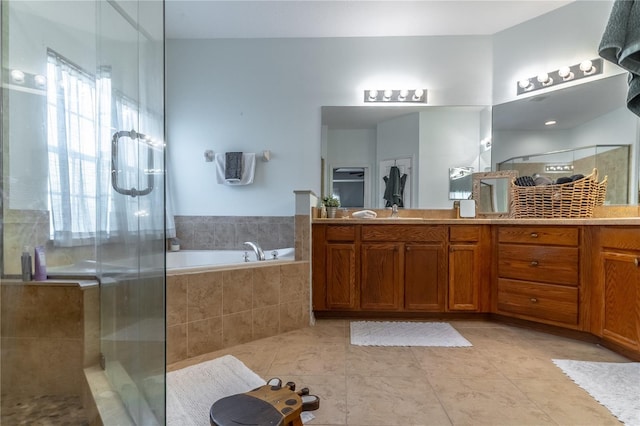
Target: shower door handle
x=133 y=135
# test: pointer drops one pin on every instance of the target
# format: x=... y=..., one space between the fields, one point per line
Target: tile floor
x=506 y=378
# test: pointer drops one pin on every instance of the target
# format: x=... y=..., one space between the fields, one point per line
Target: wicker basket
x=566 y=200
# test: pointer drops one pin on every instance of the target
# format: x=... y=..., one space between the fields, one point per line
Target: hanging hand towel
x=233 y=166
x=248 y=169
x=620 y=44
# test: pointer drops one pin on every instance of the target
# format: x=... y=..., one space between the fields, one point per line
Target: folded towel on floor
x=364 y=214
x=620 y=44
x=248 y=169
x=233 y=166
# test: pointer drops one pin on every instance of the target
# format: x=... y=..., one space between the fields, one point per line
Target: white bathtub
x=186 y=259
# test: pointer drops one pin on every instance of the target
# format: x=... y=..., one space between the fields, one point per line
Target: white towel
x=364 y=214
x=248 y=169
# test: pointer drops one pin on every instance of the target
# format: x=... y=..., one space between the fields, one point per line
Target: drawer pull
x=534 y=263
x=534 y=235
x=534 y=300
x=636 y=261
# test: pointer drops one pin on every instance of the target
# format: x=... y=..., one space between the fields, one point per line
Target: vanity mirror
x=425 y=142
x=491 y=193
x=593 y=129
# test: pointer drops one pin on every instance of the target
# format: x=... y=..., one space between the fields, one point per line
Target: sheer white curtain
x=84 y=111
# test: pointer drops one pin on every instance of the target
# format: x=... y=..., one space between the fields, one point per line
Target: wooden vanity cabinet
x=616 y=297
x=469 y=268
x=403 y=268
x=538 y=273
x=335 y=267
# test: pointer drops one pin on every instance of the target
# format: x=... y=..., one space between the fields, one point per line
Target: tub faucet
x=257 y=249
x=394 y=210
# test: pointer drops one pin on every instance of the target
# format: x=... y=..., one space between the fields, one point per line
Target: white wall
x=252 y=95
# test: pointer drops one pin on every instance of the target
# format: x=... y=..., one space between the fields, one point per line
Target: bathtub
x=189 y=259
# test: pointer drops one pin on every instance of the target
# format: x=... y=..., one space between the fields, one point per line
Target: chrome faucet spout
x=256 y=249
x=394 y=210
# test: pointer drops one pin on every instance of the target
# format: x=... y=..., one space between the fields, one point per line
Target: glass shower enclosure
x=83 y=178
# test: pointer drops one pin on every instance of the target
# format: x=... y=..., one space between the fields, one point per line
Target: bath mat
x=394 y=333
x=615 y=385
x=192 y=390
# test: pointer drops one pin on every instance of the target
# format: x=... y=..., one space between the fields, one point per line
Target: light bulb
x=17 y=76
x=403 y=94
x=587 y=67
x=373 y=95
x=524 y=84
x=543 y=78
x=40 y=80
x=565 y=73
x=387 y=94
x=418 y=93
x=550 y=122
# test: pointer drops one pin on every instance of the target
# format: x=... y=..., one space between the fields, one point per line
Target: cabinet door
x=423 y=283
x=380 y=285
x=341 y=276
x=464 y=277
x=621 y=316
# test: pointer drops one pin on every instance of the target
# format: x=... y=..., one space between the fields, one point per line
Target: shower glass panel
x=73 y=74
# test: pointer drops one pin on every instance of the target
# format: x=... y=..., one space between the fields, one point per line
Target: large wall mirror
x=593 y=129
x=429 y=146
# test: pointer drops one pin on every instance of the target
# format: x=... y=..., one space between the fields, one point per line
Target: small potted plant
x=331 y=203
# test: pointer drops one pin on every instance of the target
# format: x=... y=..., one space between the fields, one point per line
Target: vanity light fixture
x=543 y=80
x=558 y=168
x=396 y=95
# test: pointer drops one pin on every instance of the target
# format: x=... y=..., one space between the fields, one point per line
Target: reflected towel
x=233 y=166
x=248 y=169
x=620 y=44
x=365 y=214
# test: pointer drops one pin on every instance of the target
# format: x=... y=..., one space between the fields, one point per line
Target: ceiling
x=204 y=19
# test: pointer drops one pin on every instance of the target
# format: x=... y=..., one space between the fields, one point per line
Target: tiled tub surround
x=229 y=232
x=212 y=310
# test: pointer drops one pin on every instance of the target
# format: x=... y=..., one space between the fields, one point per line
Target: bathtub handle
x=133 y=135
x=245 y=256
x=274 y=254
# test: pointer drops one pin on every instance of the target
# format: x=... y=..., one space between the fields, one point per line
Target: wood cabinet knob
x=534 y=300
x=534 y=263
x=636 y=261
x=534 y=235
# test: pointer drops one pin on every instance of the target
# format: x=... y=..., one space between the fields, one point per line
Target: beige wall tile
x=294 y=315
x=237 y=328
x=294 y=277
x=266 y=322
x=204 y=336
x=266 y=286
x=237 y=293
x=204 y=296
x=176 y=299
x=91 y=326
x=176 y=343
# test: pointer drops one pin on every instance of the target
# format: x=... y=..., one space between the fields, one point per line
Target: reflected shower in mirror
x=460 y=183
x=585 y=126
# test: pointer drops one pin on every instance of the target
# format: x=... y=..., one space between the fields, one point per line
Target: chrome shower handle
x=133 y=135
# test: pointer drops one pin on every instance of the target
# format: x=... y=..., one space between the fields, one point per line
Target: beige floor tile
x=309 y=360
x=487 y=402
x=381 y=361
x=393 y=401
x=566 y=403
x=456 y=363
x=334 y=332
x=520 y=364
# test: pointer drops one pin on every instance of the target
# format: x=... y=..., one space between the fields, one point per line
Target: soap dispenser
x=25 y=260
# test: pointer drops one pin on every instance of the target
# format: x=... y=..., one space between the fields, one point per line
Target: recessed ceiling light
x=550 y=123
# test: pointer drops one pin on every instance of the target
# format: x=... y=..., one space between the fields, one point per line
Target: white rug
x=614 y=385
x=192 y=390
x=395 y=333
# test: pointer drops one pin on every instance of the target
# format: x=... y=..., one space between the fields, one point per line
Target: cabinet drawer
x=403 y=233
x=620 y=237
x=464 y=233
x=340 y=233
x=541 y=301
x=556 y=235
x=558 y=265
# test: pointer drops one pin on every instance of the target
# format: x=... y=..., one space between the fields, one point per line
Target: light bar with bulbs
x=543 y=80
x=399 y=95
